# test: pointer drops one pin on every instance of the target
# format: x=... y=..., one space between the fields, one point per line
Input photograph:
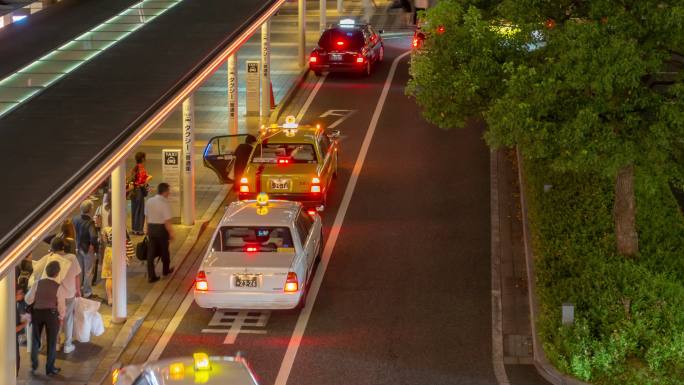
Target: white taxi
x=198 y=369
x=262 y=256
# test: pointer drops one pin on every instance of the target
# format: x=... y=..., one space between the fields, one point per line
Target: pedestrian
x=107 y=262
x=159 y=231
x=420 y=5
x=67 y=233
x=86 y=246
x=242 y=153
x=48 y=299
x=22 y=316
x=102 y=219
x=72 y=289
x=139 y=180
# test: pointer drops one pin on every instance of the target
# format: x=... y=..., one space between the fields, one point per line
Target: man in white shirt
x=159 y=231
x=48 y=299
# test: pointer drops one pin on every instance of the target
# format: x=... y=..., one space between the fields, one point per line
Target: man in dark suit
x=48 y=299
x=242 y=153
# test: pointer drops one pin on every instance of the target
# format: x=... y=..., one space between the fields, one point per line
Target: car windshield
x=284 y=153
x=341 y=39
x=253 y=239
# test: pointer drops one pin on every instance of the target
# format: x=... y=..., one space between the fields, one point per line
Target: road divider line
x=302 y=321
x=187 y=301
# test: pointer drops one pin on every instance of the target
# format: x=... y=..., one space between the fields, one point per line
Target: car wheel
x=381 y=56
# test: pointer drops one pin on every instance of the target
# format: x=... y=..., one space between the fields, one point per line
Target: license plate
x=335 y=57
x=280 y=184
x=246 y=281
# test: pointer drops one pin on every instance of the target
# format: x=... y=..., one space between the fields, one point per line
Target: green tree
x=585 y=101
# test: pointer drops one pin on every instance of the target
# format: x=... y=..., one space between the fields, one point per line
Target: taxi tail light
x=415 y=42
x=283 y=160
x=201 y=283
x=313 y=58
x=244 y=188
x=360 y=59
x=315 y=185
x=311 y=212
x=340 y=43
x=251 y=249
x=291 y=283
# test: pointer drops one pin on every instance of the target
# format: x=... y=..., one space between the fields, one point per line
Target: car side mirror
x=334 y=134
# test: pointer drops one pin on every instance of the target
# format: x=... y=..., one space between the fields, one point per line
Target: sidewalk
x=92 y=359
x=516 y=329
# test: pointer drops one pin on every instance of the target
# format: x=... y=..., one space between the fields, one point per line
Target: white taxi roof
x=225 y=370
x=276 y=213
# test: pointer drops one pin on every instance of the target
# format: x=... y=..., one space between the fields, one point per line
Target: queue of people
x=79 y=258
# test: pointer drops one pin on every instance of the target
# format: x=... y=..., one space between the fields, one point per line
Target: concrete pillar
x=302 y=32
x=119 y=283
x=8 y=336
x=188 y=163
x=265 y=71
x=339 y=7
x=323 y=17
x=232 y=95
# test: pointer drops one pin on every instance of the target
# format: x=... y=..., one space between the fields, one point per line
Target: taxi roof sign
x=201 y=361
x=347 y=22
x=262 y=199
x=290 y=122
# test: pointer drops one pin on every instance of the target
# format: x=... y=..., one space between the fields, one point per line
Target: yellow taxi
x=292 y=162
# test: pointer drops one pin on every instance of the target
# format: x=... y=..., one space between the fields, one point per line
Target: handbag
x=130 y=252
x=141 y=249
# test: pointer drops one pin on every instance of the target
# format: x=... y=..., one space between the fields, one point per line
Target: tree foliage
x=583 y=101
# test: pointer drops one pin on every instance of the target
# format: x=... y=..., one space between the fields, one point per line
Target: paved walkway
x=97 y=356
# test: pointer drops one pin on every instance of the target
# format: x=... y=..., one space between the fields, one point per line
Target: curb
x=544 y=367
x=136 y=320
x=497 y=312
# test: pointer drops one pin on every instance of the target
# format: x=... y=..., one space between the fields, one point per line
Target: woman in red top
x=139 y=179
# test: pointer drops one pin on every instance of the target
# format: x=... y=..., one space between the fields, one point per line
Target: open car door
x=219 y=155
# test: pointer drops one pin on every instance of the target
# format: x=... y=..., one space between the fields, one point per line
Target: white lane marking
x=300 y=327
x=236 y=322
x=185 y=306
x=311 y=97
x=171 y=328
x=342 y=114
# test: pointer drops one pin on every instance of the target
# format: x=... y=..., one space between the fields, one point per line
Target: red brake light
x=440 y=29
x=311 y=212
x=359 y=59
x=291 y=284
x=201 y=283
x=243 y=185
x=313 y=59
x=415 y=42
x=340 y=43
x=283 y=160
x=251 y=249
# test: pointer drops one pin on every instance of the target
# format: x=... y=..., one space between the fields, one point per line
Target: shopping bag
x=96 y=324
x=141 y=249
x=83 y=318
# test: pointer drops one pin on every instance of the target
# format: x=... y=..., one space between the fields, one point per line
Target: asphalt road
x=406 y=294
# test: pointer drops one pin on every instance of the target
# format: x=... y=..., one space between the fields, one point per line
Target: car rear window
x=340 y=39
x=280 y=152
x=258 y=239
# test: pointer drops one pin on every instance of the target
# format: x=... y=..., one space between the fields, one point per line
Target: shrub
x=629 y=326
